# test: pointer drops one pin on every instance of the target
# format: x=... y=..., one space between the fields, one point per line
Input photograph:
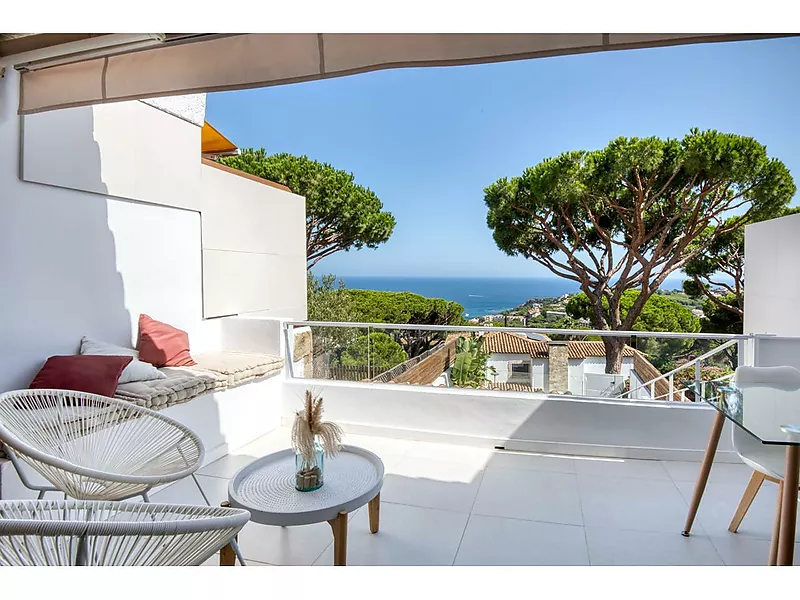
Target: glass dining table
x=771 y=416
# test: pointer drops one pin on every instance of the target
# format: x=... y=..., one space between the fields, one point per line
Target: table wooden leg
x=705 y=469
x=789 y=507
x=375 y=513
x=339 y=527
x=776 y=529
x=227 y=556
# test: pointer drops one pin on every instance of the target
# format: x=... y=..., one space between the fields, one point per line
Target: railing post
x=671 y=387
x=652 y=390
x=698 y=375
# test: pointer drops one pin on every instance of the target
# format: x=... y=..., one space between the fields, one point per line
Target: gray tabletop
x=265 y=487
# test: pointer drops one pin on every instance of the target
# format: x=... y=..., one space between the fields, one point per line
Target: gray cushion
x=160 y=393
x=238 y=367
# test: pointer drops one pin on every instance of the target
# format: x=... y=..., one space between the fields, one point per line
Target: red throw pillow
x=163 y=345
x=81 y=373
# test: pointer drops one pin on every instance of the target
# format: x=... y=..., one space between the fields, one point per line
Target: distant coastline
x=479 y=296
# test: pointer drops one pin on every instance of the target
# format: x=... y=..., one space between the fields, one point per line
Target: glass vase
x=309 y=472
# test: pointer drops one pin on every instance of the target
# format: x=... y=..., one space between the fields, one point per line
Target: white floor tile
x=498 y=541
x=474 y=456
x=185 y=491
x=299 y=545
x=227 y=466
x=408 y=535
x=640 y=504
x=531 y=462
x=432 y=484
x=627 y=547
x=720 y=472
x=744 y=551
x=719 y=505
x=621 y=467
x=532 y=495
x=279 y=439
x=378 y=445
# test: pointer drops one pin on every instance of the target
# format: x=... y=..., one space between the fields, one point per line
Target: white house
x=524 y=363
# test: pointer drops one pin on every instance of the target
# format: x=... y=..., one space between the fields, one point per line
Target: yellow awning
x=213 y=142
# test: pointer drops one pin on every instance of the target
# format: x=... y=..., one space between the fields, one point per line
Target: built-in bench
x=229 y=398
x=213 y=373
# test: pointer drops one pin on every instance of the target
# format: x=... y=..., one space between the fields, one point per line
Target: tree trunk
x=614 y=347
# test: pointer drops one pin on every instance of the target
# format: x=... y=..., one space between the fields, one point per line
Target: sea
x=478 y=295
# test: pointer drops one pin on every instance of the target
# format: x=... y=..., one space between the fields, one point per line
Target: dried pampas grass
x=308 y=425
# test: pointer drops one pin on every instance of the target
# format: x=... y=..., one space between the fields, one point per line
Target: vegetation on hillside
x=379 y=352
x=404 y=307
x=628 y=215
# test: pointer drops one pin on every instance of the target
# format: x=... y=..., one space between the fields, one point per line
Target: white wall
x=129 y=149
x=772 y=284
x=535 y=422
x=75 y=262
x=772 y=276
x=254 y=247
x=578 y=368
x=500 y=362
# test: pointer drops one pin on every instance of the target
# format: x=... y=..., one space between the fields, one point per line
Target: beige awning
x=231 y=62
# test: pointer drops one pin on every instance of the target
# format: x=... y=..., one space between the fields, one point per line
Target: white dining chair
x=767 y=462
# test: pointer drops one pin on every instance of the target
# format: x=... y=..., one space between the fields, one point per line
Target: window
x=519 y=371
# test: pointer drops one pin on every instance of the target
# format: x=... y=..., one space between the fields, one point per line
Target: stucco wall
x=75 y=262
x=254 y=247
x=772 y=277
x=772 y=284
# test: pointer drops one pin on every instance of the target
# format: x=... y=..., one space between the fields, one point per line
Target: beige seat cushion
x=238 y=367
x=160 y=393
x=215 y=382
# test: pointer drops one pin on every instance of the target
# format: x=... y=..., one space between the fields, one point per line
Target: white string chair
x=84 y=532
x=95 y=448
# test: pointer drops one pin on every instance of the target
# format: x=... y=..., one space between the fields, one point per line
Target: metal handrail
x=694 y=363
x=536 y=330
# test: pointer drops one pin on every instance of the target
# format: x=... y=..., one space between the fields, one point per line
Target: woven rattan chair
x=95 y=448
x=80 y=532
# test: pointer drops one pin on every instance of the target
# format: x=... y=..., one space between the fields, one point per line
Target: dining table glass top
x=768 y=414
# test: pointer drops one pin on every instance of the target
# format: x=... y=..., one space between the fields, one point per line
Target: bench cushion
x=160 y=393
x=239 y=367
x=213 y=372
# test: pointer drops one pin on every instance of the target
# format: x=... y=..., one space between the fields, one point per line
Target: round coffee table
x=352 y=479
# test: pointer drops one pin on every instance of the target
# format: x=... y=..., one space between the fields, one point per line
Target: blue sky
x=428 y=141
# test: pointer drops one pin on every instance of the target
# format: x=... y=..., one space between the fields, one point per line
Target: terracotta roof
x=504 y=342
x=511 y=387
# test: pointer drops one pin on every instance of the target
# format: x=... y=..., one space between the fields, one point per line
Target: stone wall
x=558 y=376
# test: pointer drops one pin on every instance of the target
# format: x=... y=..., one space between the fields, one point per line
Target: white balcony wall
x=562 y=425
x=772 y=284
x=102 y=218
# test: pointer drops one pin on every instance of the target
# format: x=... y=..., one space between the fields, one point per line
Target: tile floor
x=456 y=505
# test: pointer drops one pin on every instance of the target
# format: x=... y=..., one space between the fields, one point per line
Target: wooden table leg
x=339 y=527
x=776 y=529
x=789 y=507
x=705 y=469
x=375 y=513
x=227 y=556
